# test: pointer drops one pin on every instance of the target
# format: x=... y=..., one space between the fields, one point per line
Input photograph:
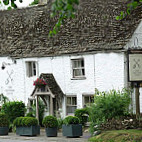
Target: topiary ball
x=50 y=121
x=3 y=120
x=71 y=120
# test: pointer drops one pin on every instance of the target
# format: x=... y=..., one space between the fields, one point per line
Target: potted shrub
x=26 y=126
x=51 y=126
x=3 y=124
x=71 y=127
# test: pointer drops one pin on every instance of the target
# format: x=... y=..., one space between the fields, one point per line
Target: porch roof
x=52 y=84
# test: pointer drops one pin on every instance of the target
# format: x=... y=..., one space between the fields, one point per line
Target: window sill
x=78 y=78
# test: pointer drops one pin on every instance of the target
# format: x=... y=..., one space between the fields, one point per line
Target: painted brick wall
x=103 y=71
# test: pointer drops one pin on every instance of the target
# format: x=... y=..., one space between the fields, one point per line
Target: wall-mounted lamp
x=4 y=64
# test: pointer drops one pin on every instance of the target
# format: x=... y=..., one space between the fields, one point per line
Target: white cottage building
x=89 y=52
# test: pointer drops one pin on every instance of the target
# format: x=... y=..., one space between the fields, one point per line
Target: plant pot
x=51 y=132
x=28 y=131
x=4 y=131
x=41 y=88
x=72 y=130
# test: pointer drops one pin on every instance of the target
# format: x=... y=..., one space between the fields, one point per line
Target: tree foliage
x=65 y=9
x=130 y=7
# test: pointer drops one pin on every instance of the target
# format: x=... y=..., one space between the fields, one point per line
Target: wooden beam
x=44 y=100
x=37 y=109
x=51 y=105
x=137 y=100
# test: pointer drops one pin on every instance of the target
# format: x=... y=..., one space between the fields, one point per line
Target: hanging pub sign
x=135 y=67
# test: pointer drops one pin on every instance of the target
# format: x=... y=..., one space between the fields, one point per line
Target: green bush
x=71 y=120
x=30 y=114
x=25 y=121
x=82 y=114
x=13 y=109
x=60 y=122
x=3 y=120
x=108 y=105
x=50 y=121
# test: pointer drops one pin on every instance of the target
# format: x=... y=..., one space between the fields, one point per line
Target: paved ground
x=12 y=137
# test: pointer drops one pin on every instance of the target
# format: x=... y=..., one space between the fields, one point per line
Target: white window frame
x=31 y=68
x=70 y=105
x=80 y=68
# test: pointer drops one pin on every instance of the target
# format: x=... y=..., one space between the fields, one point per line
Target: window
x=31 y=69
x=78 y=69
x=88 y=99
x=71 y=104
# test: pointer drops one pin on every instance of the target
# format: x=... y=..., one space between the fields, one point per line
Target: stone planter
x=72 y=130
x=4 y=131
x=28 y=131
x=51 y=132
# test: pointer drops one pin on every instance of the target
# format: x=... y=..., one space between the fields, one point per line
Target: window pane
x=77 y=72
x=75 y=63
x=86 y=99
x=79 y=63
x=71 y=109
x=82 y=63
x=34 y=68
x=30 y=68
x=82 y=72
x=69 y=100
x=74 y=102
x=91 y=99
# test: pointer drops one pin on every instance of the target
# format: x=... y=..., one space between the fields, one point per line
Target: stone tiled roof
x=24 y=32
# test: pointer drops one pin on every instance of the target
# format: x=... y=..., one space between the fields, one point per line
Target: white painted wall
x=109 y=71
x=103 y=71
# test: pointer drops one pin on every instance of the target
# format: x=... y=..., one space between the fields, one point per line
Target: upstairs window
x=78 y=69
x=31 y=68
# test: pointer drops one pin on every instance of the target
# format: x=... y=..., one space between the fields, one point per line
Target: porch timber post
x=137 y=99
x=51 y=105
x=37 y=109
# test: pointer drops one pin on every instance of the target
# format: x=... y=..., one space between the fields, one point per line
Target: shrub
x=13 y=109
x=60 y=122
x=25 y=121
x=30 y=114
x=3 y=120
x=108 y=105
x=71 y=120
x=50 y=121
x=82 y=114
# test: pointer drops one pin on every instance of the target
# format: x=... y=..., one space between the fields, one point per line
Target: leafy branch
x=130 y=7
x=65 y=10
